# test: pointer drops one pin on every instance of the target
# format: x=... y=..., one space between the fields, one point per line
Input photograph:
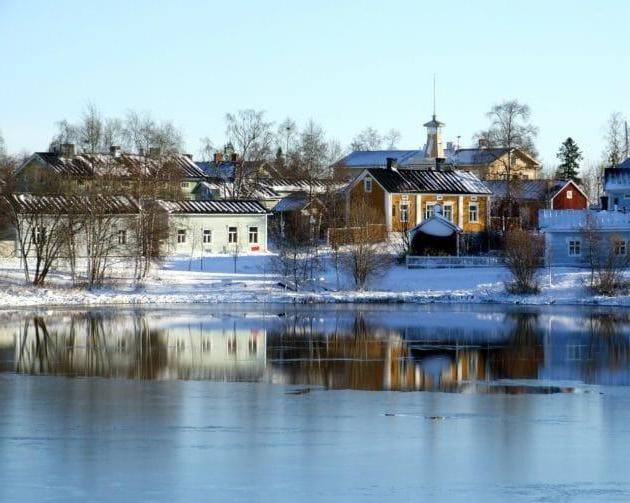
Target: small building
x=517 y=202
x=617 y=187
x=400 y=199
x=298 y=215
x=490 y=163
x=577 y=237
x=224 y=226
x=435 y=236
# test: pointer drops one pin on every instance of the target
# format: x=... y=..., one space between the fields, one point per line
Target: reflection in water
x=468 y=350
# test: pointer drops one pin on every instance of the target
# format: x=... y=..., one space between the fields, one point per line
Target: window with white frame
x=232 y=235
x=620 y=247
x=184 y=185
x=367 y=185
x=575 y=248
x=473 y=213
x=429 y=211
x=404 y=212
x=253 y=235
x=122 y=237
x=569 y=194
x=448 y=212
x=207 y=236
x=181 y=236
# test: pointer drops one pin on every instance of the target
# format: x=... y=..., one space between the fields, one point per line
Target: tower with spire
x=434 y=148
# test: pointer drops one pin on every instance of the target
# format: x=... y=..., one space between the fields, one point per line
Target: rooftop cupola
x=434 y=148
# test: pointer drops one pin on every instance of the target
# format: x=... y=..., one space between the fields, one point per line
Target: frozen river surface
x=306 y=405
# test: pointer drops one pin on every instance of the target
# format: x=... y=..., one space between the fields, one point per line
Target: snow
x=213 y=280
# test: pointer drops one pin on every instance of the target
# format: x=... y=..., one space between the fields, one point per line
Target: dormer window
x=367 y=185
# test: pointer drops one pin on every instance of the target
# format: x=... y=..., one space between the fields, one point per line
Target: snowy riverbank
x=213 y=281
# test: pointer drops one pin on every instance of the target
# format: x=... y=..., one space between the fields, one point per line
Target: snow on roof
x=578 y=220
x=60 y=205
x=378 y=158
x=428 y=181
x=531 y=190
x=123 y=165
x=294 y=202
x=224 y=206
x=474 y=156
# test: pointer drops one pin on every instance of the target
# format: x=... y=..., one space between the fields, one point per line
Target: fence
x=428 y=262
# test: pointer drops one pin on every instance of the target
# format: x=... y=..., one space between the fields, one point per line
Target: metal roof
x=378 y=158
x=123 y=165
x=224 y=206
x=60 y=205
x=223 y=170
x=579 y=220
x=482 y=156
x=529 y=190
x=428 y=181
x=294 y=202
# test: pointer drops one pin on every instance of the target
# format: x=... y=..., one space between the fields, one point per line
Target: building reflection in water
x=512 y=352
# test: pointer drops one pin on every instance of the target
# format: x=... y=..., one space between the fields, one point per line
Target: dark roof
x=625 y=164
x=294 y=202
x=429 y=181
x=223 y=170
x=224 y=206
x=123 y=165
x=66 y=205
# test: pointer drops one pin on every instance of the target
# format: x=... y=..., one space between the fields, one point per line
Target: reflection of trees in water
x=607 y=348
x=92 y=345
x=523 y=353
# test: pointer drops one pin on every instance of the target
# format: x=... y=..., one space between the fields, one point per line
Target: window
x=181 y=236
x=184 y=185
x=38 y=235
x=473 y=213
x=620 y=248
x=448 y=212
x=232 y=235
x=575 y=248
x=122 y=237
x=569 y=194
x=367 y=185
x=404 y=212
x=429 y=211
x=253 y=234
x=393 y=210
x=207 y=236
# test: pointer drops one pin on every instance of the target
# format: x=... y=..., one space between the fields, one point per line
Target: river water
x=283 y=403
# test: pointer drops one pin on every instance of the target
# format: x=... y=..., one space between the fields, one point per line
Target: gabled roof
x=483 y=156
x=219 y=207
x=427 y=181
x=378 y=158
x=437 y=225
x=73 y=205
x=123 y=165
x=579 y=220
x=294 y=202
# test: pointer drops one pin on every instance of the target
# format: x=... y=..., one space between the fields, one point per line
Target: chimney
x=234 y=157
x=604 y=200
x=483 y=142
x=67 y=150
x=154 y=151
x=391 y=163
x=141 y=152
x=114 y=150
x=189 y=156
x=218 y=157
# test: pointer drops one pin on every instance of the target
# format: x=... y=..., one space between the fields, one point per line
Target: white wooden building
x=197 y=228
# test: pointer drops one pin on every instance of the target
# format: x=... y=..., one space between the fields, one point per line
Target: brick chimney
x=67 y=150
x=483 y=142
x=218 y=157
x=115 y=151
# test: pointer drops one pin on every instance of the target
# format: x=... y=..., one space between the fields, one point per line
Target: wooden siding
x=577 y=201
x=375 y=200
x=557 y=246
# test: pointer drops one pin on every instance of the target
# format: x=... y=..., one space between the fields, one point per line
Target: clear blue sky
x=346 y=64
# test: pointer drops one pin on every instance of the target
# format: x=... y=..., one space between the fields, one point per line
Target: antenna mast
x=434 y=95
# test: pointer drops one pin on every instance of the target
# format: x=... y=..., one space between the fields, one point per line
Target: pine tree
x=569 y=155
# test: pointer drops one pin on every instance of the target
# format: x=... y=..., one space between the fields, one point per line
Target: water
x=305 y=404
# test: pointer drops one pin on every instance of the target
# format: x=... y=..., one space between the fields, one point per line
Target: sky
x=345 y=64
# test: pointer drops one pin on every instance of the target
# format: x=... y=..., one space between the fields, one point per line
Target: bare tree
x=392 y=138
x=368 y=139
x=250 y=134
x=90 y=130
x=206 y=149
x=614 y=136
x=522 y=256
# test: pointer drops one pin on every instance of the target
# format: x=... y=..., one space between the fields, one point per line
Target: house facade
x=494 y=163
x=616 y=185
x=197 y=228
x=579 y=237
x=400 y=199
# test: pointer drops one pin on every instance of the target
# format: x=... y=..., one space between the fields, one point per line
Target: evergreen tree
x=570 y=156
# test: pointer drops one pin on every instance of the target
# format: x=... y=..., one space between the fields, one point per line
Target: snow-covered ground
x=213 y=280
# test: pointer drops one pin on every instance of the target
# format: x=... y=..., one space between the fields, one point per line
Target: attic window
x=569 y=194
x=367 y=185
